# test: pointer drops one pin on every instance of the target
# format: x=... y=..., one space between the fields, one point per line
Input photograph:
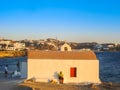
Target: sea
x=12 y=63
x=109 y=65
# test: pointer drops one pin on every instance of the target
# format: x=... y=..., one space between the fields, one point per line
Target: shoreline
x=20 y=84
x=106 y=51
x=71 y=86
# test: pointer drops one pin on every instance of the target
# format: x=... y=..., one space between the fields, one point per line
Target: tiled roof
x=82 y=55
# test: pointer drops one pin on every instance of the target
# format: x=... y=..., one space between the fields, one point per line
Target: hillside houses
x=48 y=44
x=55 y=45
x=105 y=47
x=11 y=45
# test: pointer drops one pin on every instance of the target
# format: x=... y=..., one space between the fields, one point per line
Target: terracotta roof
x=86 y=55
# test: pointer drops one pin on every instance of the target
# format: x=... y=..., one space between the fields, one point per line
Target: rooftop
x=80 y=55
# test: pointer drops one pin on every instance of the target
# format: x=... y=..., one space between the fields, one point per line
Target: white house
x=19 y=46
x=10 y=48
x=65 y=47
x=77 y=66
x=6 y=42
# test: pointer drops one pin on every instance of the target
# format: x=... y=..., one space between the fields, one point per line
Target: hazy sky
x=70 y=20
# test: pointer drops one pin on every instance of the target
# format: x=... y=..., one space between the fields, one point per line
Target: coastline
x=20 y=84
x=70 y=86
x=105 y=51
x=12 y=54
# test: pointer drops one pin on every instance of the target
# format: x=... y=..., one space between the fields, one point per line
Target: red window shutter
x=73 y=72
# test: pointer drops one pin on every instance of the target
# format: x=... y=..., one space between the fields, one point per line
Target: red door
x=73 y=72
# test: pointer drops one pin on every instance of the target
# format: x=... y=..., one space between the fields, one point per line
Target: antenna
x=56 y=37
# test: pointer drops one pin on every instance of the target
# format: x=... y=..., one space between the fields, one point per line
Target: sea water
x=12 y=65
x=109 y=63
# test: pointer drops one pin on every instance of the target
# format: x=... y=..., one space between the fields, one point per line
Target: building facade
x=65 y=47
x=19 y=46
x=81 y=66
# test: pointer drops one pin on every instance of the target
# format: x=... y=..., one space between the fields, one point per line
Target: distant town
x=54 y=45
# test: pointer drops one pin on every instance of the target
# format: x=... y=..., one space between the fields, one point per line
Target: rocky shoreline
x=69 y=86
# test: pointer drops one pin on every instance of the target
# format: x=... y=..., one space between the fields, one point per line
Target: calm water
x=11 y=62
x=109 y=65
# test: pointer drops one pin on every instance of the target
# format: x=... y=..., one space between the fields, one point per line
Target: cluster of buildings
x=48 y=44
x=11 y=45
x=55 y=45
x=107 y=47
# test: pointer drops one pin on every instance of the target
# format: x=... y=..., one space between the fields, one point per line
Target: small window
x=73 y=72
x=66 y=49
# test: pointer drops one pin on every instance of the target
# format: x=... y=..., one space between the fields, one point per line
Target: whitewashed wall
x=67 y=46
x=45 y=69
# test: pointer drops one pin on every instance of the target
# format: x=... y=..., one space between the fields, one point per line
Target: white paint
x=46 y=69
x=62 y=48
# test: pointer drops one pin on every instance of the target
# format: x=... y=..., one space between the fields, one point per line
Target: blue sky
x=70 y=20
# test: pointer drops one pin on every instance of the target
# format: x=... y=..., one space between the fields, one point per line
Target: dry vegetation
x=4 y=54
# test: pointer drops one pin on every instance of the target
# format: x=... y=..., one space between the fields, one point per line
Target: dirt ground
x=12 y=85
x=79 y=86
x=30 y=85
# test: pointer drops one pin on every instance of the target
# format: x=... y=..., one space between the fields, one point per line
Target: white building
x=65 y=47
x=19 y=46
x=6 y=42
x=77 y=66
x=110 y=46
x=10 y=48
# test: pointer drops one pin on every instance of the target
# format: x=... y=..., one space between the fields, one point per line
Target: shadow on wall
x=56 y=75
